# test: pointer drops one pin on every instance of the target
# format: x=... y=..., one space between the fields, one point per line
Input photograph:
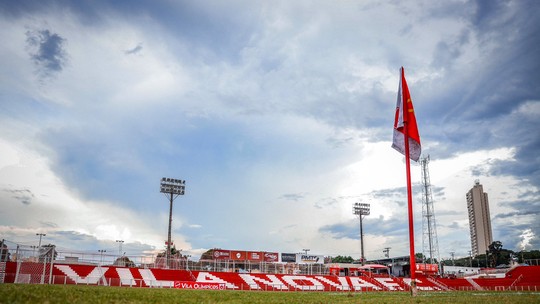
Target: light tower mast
x=172 y=188
x=429 y=227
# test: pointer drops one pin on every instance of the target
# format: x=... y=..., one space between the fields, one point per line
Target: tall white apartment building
x=479 y=219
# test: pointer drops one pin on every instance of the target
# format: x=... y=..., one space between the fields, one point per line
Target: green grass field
x=18 y=293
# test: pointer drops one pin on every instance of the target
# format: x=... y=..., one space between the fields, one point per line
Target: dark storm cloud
x=25 y=196
x=338 y=231
x=67 y=239
x=373 y=226
x=134 y=50
x=511 y=236
x=527 y=165
x=326 y=202
x=292 y=197
x=448 y=51
x=18 y=8
x=398 y=195
x=516 y=213
x=453 y=225
x=509 y=226
x=482 y=113
x=437 y=192
x=48 y=224
x=389 y=193
x=46 y=50
x=528 y=206
x=449 y=212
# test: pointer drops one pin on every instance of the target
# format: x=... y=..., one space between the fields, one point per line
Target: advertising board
x=288 y=257
x=222 y=254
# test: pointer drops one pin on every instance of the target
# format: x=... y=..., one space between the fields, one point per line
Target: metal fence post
x=52 y=264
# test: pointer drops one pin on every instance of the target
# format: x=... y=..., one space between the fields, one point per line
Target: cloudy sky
x=278 y=114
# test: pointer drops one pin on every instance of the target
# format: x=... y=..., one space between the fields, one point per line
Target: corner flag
x=405 y=114
x=407 y=142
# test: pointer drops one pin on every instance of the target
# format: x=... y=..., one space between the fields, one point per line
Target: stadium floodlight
x=361 y=210
x=187 y=261
x=40 y=235
x=101 y=251
x=172 y=187
x=119 y=247
x=33 y=250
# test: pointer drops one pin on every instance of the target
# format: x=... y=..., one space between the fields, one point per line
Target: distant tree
x=529 y=255
x=47 y=253
x=425 y=259
x=174 y=252
x=464 y=262
x=481 y=260
x=124 y=261
x=494 y=250
x=342 y=259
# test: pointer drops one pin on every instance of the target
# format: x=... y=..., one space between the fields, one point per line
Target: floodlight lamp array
x=361 y=209
x=172 y=185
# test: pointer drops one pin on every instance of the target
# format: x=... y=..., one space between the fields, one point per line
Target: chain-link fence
x=50 y=254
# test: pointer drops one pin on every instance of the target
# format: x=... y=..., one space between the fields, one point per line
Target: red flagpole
x=404 y=123
x=405 y=105
x=409 y=204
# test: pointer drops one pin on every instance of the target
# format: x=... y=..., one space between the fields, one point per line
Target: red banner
x=271 y=257
x=238 y=255
x=195 y=285
x=222 y=254
x=254 y=256
x=427 y=268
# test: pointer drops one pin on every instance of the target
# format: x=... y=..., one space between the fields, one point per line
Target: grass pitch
x=18 y=293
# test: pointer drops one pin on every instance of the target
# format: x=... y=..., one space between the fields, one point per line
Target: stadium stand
x=519 y=278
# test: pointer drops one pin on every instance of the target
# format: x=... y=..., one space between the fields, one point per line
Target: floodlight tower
x=361 y=210
x=429 y=228
x=172 y=188
x=119 y=247
x=40 y=236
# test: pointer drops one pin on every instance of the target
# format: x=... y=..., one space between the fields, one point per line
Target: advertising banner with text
x=271 y=256
x=222 y=254
x=254 y=256
x=309 y=259
x=197 y=285
x=427 y=267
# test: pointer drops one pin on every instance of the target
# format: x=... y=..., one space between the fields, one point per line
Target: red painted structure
x=519 y=278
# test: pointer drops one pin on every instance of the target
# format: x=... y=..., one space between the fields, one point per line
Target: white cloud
x=60 y=208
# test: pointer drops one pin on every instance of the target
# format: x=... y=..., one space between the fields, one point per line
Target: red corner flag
x=407 y=141
x=405 y=114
